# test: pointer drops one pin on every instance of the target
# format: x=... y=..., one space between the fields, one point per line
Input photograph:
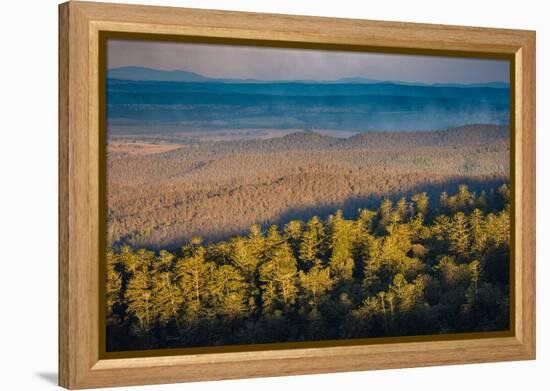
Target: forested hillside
x=219 y=189
x=420 y=265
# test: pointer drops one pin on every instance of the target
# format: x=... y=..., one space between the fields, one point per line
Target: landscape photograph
x=267 y=195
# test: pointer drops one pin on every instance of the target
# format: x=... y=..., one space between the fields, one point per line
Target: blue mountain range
x=189 y=101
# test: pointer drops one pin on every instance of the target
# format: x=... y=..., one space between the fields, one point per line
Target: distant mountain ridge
x=459 y=137
x=136 y=73
x=150 y=74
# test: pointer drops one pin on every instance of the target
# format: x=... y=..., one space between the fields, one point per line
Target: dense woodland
x=411 y=267
x=218 y=190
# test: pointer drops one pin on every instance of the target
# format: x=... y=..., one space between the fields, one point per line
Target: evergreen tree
x=502 y=197
x=372 y=262
x=342 y=238
x=407 y=295
x=272 y=241
x=166 y=297
x=401 y=211
x=164 y=261
x=481 y=201
x=315 y=284
x=245 y=256
x=421 y=203
x=192 y=247
x=478 y=231
x=384 y=214
x=194 y=275
x=293 y=234
x=228 y=292
x=129 y=259
x=256 y=241
x=139 y=301
x=441 y=228
x=113 y=285
x=474 y=269
x=311 y=245
x=278 y=277
x=464 y=199
x=459 y=235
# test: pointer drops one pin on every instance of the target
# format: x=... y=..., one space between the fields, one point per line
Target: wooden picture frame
x=80 y=27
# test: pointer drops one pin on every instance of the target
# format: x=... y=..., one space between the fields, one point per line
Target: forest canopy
x=218 y=189
x=416 y=266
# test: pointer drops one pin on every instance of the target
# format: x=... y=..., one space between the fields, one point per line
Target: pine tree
x=129 y=259
x=502 y=197
x=256 y=240
x=293 y=234
x=459 y=234
x=342 y=238
x=220 y=252
x=311 y=245
x=451 y=274
x=397 y=243
x=401 y=210
x=146 y=259
x=407 y=295
x=272 y=241
x=139 y=301
x=417 y=228
x=164 y=261
x=441 y=227
x=498 y=228
x=166 y=297
x=421 y=203
x=245 y=257
x=481 y=201
x=193 y=275
x=464 y=199
x=366 y=219
x=113 y=286
x=278 y=277
x=384 y=214
x=474 y=269
x=315 y=284
x=479 y=234
x=227 y=292
x=372 y=262
x=192 y=246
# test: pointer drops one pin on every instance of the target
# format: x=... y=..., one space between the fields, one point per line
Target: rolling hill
x=215 y=190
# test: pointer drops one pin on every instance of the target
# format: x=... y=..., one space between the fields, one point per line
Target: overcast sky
x=243 y=62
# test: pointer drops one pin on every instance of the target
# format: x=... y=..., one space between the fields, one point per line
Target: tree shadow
x=351 y=205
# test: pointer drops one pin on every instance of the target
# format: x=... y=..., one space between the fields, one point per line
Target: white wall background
x=28 y=194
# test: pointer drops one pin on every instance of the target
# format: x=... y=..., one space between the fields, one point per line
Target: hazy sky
x=242 y=62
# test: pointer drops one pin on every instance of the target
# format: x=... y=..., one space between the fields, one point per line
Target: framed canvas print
x=247 y=195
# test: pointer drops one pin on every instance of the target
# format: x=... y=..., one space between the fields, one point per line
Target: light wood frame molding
x=80 y=23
